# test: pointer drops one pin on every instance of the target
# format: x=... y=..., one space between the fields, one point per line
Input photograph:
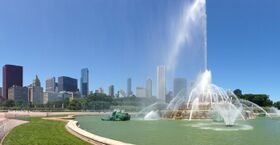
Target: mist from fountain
x=152 y=115
x=228 y=112
x=275 y=111
x=152 y=112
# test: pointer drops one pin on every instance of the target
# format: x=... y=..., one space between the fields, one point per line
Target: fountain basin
x=166 y=132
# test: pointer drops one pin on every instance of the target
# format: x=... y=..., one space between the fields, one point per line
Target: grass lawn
x=42 y=132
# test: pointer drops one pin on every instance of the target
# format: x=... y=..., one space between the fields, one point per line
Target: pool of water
x=261 y=131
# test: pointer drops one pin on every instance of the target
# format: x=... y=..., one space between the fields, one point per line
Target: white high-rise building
x=140 y=92
x=161 y=82
x=149 y=88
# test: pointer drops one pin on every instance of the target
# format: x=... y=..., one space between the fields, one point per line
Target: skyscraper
x=67 y=84
x=179 y=84
x=84 y=84
x=161 y=82
x=111 y=91
x=35 y=92
x=129 y=86
x=140 y=92
x=18 y=94
x=51 y=85
x=12 y=75
x=36 y=82
x=149 y=88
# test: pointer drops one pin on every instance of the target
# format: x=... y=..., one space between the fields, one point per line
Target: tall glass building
x=51 y=85
x=67 y=84
x=84 y=84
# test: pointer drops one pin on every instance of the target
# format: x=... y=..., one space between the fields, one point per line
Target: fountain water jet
x=228 y=112
x=275 y=111
x=153 y=115
x=190 y=31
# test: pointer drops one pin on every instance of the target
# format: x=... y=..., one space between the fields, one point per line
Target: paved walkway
x=6 y=125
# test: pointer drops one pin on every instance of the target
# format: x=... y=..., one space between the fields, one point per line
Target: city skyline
x=53 y=86
x=153 y=72
x=138 y=39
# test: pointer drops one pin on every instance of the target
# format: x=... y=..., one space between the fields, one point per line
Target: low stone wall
x=91 y=138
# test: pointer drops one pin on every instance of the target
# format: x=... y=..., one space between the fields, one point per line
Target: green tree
x=238 y=92
x=99 y=97
x=75 y=105
x=97 y=101
x=259 y=99
x=277 y=104
x=9 y=103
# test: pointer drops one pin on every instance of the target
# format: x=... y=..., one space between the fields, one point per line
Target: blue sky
x=117 y=39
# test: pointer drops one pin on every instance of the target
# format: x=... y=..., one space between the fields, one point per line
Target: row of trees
x=259 y=99
x=97 y=101
x=94 y=101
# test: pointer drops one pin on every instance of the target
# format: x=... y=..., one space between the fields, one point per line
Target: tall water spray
x=190 y=32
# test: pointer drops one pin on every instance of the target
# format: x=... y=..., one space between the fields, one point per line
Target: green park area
x=42 y=132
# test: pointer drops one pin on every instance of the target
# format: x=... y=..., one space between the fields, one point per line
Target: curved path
x=7 y=125
x=72 y=127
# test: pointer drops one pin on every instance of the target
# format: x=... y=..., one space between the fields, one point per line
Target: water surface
x=262 y=131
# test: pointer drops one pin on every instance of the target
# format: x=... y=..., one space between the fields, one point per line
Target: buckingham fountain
x=204 y=100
